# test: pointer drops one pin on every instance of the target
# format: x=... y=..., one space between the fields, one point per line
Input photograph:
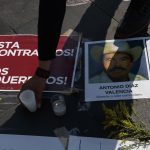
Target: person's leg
x=51 y=14
x=49 y=29
x=136 y=20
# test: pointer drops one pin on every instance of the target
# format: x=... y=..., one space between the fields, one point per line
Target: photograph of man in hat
x=116 y=59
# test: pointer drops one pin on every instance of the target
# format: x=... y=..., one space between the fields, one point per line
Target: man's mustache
x=116 y=68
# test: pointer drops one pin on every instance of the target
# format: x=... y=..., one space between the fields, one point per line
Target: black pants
x=51 y=14
x=142 y=6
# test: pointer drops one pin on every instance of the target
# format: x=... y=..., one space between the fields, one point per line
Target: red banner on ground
x=18 y=61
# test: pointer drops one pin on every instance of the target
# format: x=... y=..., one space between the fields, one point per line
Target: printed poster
x=117 y=69
x=19 y=58
x=90 y=143
x=28 y=142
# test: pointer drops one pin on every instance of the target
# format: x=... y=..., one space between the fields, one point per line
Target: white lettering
x=18 y=52
x=9 y=45
x=66 y=52
x=57 y=80
x=4 y=71
x=14 y=79
x=15 y=45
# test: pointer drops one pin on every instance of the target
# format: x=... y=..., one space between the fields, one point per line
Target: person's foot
x=134 y=24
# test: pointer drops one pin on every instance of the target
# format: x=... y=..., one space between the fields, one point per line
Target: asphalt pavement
x=97 y=20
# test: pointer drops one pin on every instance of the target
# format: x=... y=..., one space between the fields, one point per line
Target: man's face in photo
x=117 y=65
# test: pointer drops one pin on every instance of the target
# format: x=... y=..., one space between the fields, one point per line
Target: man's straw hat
x=114 y=47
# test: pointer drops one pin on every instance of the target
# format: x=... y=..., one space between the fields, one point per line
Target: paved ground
x=96 y=20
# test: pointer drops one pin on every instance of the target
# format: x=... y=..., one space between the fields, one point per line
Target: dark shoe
x=135 y=22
